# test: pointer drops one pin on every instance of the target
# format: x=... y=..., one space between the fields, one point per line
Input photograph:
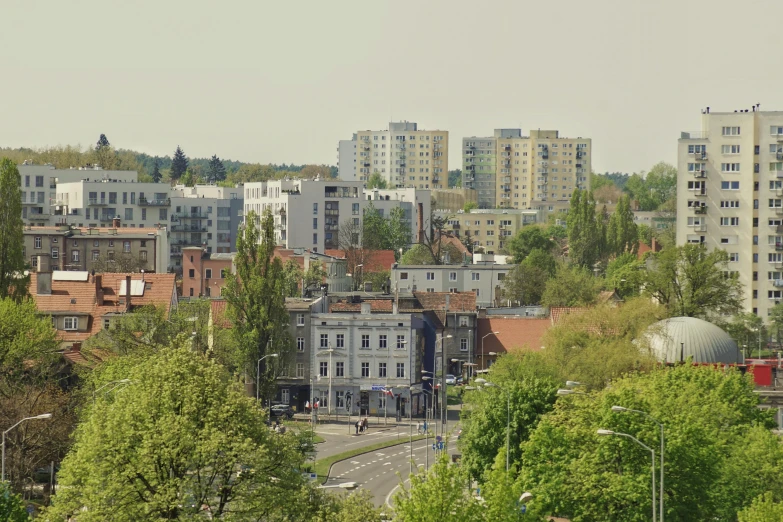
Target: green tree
x=645 y=234
x=417 y=255
x=104 y=154
x=763 y=509
x=455 y=178
x=376 y=181
x=156 y=175
x=571 y=286
x=179 y=164
x=399 y=232
x=179 y=442
x=625 y=273
x=375 y=229
x=121 y=263
x=691 y=281
x=584 y=232
x=598 y=181
x=525 y=284
x=292 y=276
x=470 y=205
x=748 y=330
x=622 y=234
x=216 y=171
x=188 y=179
x=12 y=262
x=526 y=240
x=776 y=323
x=256 y=302
x=653 y=189
x=12 y=508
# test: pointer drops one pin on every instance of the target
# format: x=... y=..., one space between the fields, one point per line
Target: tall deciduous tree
x=156 y=175
x=526 y=240
x=376 y=181
x=584 y=232
x=12 y=262
x=179 y=164
x=256 y=300
x=216 y=171
x=693 y=282
x=571 y=286
x=622 y=234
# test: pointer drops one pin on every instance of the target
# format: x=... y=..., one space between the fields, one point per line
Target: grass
x=323 y=466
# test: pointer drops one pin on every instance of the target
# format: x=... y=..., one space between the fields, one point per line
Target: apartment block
x=308 y=213
x=346 y=159
x=490 y=228
x=730 y=196
x=204 y=273
x=509 y=170
x=72 y=248
x=403 y=155
x=39 y=189
x=485 y=280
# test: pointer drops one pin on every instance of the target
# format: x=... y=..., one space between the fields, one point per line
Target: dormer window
x=71 y=323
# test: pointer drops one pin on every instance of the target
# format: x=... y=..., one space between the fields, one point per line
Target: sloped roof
x=376 y=306
x=557 y=313
x=458 y=301
x=217 y=313
x=516 y=332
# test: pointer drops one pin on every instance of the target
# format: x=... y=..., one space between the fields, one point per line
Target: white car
x=451 y=380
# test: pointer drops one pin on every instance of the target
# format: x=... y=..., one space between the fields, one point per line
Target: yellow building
x=490 y=229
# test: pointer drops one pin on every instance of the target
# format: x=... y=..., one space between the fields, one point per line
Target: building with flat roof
x=485 y=280
x=490 y=229
x=346 y=160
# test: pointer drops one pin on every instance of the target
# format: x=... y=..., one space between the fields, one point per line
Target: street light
x=508 y=413
x=564 y=391
x=660 y=425
x=258 y=370
x=645 y=446
x=42 y=416
x=388 y=368
x=445 y=404
x=482 y=348
x=410 y=424
x=572 y=384
x=116 y=383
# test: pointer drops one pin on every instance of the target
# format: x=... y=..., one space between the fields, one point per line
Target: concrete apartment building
x=86 y=249
x=730 y=196
x=206 y=216
x=485 y=280
x=346 y=160
x=509 y=170
x=490 y=228
x=39 y=189
x=403 y=155
x=308 y=213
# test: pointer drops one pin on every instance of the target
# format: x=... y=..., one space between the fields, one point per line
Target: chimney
x=98 y=289
x=654 y=245
x=44 y=279
x=420 y=223
x=115 y=222
x=368 y=286
x=127 y=293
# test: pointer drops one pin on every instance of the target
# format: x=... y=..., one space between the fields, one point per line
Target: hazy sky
x=283 y=81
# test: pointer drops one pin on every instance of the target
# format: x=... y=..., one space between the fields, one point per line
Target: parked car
x=282 y=410
x=451 y=380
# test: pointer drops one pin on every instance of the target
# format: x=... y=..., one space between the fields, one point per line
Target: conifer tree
x=179 y=164
x=216 y=170
x=156 y=175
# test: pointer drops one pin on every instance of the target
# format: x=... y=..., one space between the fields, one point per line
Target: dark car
x=282 y=410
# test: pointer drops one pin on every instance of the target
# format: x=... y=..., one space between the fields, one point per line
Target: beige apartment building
x=404 y=155
x=489 y=228
x=509 y=170
x=72 y=248
x=730 y=196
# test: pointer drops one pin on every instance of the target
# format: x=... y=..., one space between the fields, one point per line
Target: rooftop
x=516 y=333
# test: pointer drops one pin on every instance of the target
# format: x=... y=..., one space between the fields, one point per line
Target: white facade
x=730 y=196
x=369 y=353
x=308 y=213
x=39 y=189
x=485 y=280
x=346 y=159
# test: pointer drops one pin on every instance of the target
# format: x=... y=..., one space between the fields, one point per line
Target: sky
x=282 y=82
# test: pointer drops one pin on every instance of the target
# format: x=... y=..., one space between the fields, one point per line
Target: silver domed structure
x=677 y=338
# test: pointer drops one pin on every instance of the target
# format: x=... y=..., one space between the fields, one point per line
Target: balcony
x=189 y=215
x=188 y=228
x=700 y=228
x=95 y=202
x=779 y=247
x=699 y=173
x=144 y=202
x=779 y=211
x=779 y=155
x=695 y=135
x=700 y=209
x=777 y=282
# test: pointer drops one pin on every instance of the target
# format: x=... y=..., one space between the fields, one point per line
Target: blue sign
x=378 y=387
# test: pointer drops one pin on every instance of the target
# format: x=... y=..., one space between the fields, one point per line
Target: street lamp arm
x=640 y=443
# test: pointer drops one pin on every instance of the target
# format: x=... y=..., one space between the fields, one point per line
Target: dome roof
x=678 y=338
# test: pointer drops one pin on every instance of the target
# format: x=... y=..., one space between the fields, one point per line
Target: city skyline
x=284 y=83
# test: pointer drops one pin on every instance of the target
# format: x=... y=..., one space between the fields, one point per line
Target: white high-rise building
x=346 y=159
x=730 y=196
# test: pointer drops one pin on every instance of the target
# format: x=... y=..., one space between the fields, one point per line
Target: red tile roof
x=218 y=313
x=81 y=298
x=458 y=301
x=557 y=313
x=376 y=306
x=515 y=333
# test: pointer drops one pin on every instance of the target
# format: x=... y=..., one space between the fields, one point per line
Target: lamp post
x=444 y=400
x=648 y=448
x=565 y=391
x=116 y=383
x=482 y=348
x=42 y=416
x=508 y=412
x=258 y=370
x=432 y=417
x=660 y=425
x=388 y=368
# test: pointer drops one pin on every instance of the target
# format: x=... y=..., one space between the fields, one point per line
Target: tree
x=584 y=233
x=525 y=284
x=123 y=263
x=526 y=240
x=571 y=286
x=316 y=171
x=256 y=302
x=398 y=232
x=104 y=153
x=653 y=189
x=417 y=255
x=179 y=164
x=350 y=239
x=691 y=281
x=625 y=273
x=622 y=234
x=455 y=178
x=712 y=421
x=376 y=181
x=12 y=507
x=188 y=179
x=747 y=329
x=156 y=175
x=776 y=323
x=12 y=262
x=216 y=171
x=470 y=205
x=763 y=509
x=179 y=442
x=607 y=194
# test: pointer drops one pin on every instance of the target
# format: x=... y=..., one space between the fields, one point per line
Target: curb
x=328 y=473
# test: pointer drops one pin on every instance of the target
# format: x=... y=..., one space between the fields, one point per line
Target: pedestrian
x=357 y=427
x=307 y=407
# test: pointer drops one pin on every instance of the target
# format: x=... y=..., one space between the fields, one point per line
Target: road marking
x=387 y=463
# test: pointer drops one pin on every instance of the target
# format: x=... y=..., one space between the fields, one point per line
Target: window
x=299 y=319
x=208 y=273
x=96 y=254
x=315 y=239
x=729 y=185
x=340 y=340
x=475 y=276
x=163 y=215
x=730 y=167
x=731 y=131
x=696 y=149
x=382 y=369
x=323 y=369
x=365 y=341
x=382 y=400
x=365 y=369
x=300 y=370
x=315 y=227
x=463 y=321
x=463 y=344
x=55 y=253
x=340 y=398
x=452 y=276
x=339 y=369
x=400 y=370
x=729 y=204
x=39 y=181
x=403 y=275
x=315 y=208
x=37 y=242
x=776 y=130
x=222 y=273
x=75 y=256
x=729 y=221
x=192 y=272
x=730 y=149
x=324 y=340
x=300 y=344
x=382 y=341
x=143 y=212
x=734 y=257
x=401 y=342
x=129 y=214
x=71 y=323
